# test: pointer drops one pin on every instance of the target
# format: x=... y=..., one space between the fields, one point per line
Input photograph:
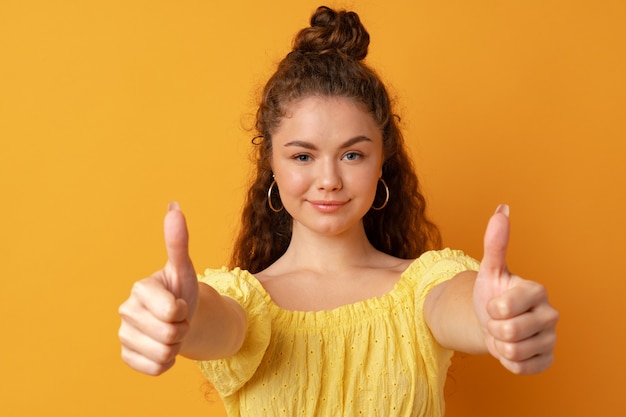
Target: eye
x=302 y=157
x=352 y=156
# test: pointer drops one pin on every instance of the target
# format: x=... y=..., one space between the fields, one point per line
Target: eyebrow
x=346 y=144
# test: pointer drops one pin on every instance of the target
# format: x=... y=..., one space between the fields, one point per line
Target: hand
x=156 y=316
x=517 y=320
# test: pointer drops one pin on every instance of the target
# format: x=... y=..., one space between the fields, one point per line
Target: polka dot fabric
x=373 y=358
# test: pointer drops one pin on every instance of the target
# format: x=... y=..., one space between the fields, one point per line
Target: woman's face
x=327 y=159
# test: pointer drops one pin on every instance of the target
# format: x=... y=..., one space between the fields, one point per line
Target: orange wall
x=110 y=109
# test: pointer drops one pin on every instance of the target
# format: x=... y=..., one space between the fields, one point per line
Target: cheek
x=292 y=183
x=371 y=187
x=367 y=179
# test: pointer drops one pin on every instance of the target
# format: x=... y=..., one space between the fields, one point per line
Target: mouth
x=327 y=206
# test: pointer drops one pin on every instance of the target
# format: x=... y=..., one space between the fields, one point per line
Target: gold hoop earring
x=269 y=198
x=386 y=196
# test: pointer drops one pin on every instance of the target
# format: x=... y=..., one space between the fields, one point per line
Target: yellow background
x=111 y=109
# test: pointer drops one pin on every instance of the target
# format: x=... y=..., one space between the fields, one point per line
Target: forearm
x=217 y=329
x=450 y=314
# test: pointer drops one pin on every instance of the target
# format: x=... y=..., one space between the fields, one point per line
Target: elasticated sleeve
x=230 y=374
x=434 y=268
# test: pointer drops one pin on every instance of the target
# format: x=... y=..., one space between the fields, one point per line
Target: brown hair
x=326 y=60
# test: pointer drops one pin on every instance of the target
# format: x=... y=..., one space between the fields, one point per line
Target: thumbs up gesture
x=517 y=320
x=156 y=316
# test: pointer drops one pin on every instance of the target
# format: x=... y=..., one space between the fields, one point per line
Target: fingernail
x=173 y=206
x=504 y=209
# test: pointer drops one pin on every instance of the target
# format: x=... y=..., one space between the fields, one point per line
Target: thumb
x=180 y=270
x=496 y=242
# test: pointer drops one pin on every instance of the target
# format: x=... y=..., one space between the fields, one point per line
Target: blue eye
x=352 y=156
x=302 y=158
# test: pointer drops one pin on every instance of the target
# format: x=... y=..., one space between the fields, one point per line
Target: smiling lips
x=327 y=206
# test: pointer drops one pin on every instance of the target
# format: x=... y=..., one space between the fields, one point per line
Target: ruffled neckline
x=347 y=314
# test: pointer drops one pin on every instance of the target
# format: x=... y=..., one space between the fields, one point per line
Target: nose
x=329 y=176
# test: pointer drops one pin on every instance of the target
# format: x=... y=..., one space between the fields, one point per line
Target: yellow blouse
x=372 y=358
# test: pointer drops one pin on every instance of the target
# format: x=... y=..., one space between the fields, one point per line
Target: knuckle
x=137 y=288
x=514 y=367
x=121 y=335
x=169 y=310
x=510 y=351
x=155 y=371
x=169 y=333
x=538 y=288
x=534 y=365
x=126 y=357
x=124 y=335
x=502 y=307
x=517 y=368
x=145 y=364
x=549 y=317
x=165 y=355
x=143 y=286
x=160 y=369
x=550 y=341
x=510 y=331
x=124 y=309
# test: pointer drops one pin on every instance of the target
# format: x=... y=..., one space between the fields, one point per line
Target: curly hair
x=327 y=61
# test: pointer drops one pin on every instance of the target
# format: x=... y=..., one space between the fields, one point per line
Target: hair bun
x=334 y=31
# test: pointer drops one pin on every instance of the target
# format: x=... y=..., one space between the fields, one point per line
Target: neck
x=312 y=251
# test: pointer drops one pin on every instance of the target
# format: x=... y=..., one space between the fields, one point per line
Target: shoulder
x=236 y=283
x=444 y=258
x=435 y=267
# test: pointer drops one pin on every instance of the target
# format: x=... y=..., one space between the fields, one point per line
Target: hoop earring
x=269 y=198
x=386 y=196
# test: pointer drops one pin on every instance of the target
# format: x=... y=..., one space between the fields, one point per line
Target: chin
x=330 y=229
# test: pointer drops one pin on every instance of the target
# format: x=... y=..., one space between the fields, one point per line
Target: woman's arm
x=449 y=312
x=171 y=313
x=217 y=329
x=495 y=311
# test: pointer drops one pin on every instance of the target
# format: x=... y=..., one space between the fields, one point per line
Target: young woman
x=336 y=301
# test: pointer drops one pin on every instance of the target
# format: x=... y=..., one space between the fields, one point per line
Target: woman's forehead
x=315 y=115
x=322 y=100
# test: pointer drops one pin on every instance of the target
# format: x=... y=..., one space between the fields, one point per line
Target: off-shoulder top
x=376 y=357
